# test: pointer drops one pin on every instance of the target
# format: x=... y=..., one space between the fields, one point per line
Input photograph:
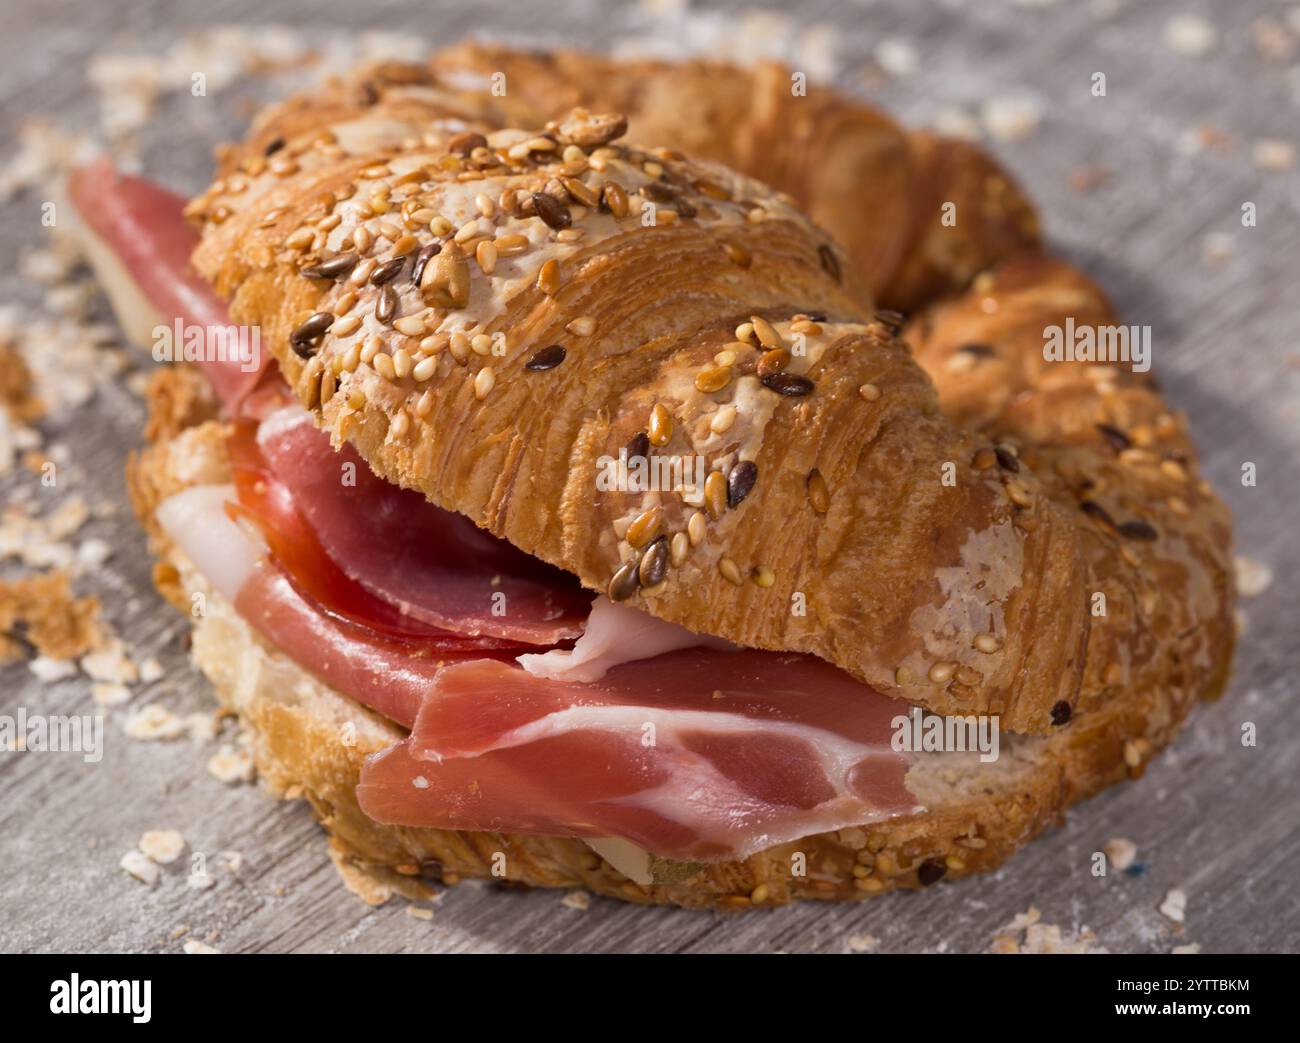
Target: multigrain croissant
x=494 y=319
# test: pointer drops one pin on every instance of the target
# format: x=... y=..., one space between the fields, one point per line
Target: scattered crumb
x=419 y=912
x=1088 y=179
x=40 y=610
x=897 y=57
x=861 y=942
x=164 y=846
x=47 y=670
x=154 y=722
x=151 y=670
x=110 y=664
x=1010 y=119
x=1190 y=35
x=194 y=947
x=231 y=766
x=1253 y=576
x=17 y=395
x=200 y=881
x=203 y=727
x=1120 y=853
x=1273 y=155
x=580 y=900
x=1042 y=939
x=1174 y=907
x=1186 y=950
x=141 y=867
x=956 y=123
x=110 y=694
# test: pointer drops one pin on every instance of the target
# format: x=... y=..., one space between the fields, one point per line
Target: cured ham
x=139 y=243
x=388 y=672
x=696 y=755
x=434 y=566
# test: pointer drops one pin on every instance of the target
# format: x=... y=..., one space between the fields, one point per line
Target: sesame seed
x=679 y=548
x=723 y=419
x=712 y=378
x=484 y=381
x=347 y=326
x=383 y=365
x=411 y=325
x=941 y=673
x=987 y=643
x=402 y=363
x=869 y=392
x=480 y=344
x=646 y=527
x=715 y=493
x=425 y=368
x=486 y=255
x=730 y=571
x=583 y=326
x=763 y=576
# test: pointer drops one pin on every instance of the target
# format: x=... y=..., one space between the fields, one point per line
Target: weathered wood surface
x=1218 y=820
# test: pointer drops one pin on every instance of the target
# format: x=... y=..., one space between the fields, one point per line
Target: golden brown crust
x=848 y=166
x=1157 y=541
x=438 y=386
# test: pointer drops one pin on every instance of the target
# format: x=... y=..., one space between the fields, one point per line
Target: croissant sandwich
x=574 y=511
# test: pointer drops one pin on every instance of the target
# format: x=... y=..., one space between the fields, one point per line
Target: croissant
x=496 y=317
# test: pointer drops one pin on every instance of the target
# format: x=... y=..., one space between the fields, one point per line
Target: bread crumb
x=17 y=395
x=200 y=880
x=164 y=846
x=1010 y=119
x=417 y=912
x=897 y=57
x=194 y=947
x=1273 y=155
x=1120 y=853
x=1042 y=939
x=1190 y=35
x=48 y=670
x=154 y=722
x=1174 y=907
x=141 y=867
x=110 y=664
x=1185 y=950
x=862 y=942
x=1253 y=576
x=231 y=766
x=579 y=900
x=42 y=611
x=151 y=670
x=110 y=694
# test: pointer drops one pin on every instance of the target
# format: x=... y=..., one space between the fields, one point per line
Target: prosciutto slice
x=140 y=245
x=435 y=566
x=389 y=672
x=696 y=755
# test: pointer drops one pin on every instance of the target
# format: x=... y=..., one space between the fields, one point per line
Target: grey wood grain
x=1216 y=819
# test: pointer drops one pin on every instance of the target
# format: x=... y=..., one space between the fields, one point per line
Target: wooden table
x=1162 y=231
